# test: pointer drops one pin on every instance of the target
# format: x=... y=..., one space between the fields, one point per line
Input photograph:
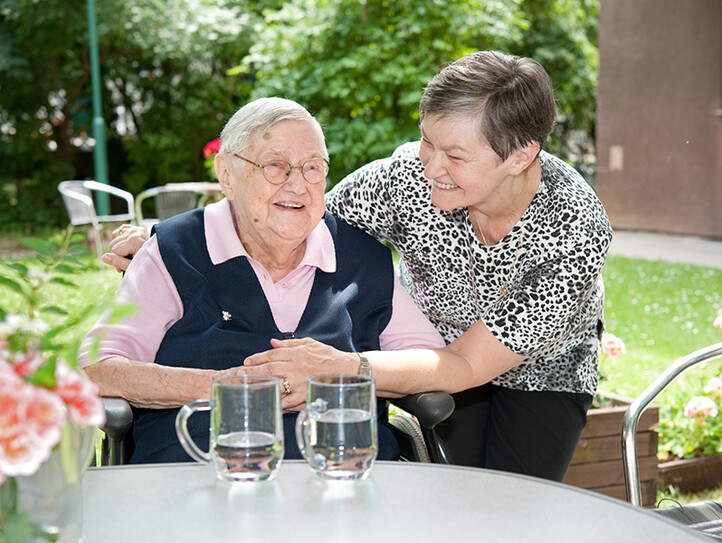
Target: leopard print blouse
x=551 y=260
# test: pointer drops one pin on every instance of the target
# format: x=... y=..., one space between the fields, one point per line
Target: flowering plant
x=694 y=428
x=612 y=346
x=210 y=151
x=42 y=393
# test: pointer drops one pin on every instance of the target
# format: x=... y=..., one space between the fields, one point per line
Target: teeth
x=292 y=206
x=444 y=185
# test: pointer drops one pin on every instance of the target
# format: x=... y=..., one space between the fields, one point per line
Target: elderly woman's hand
x=127 y=240
x=295 y=360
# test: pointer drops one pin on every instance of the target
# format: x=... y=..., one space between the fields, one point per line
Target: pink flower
x=612 y=346
x=82 y=396
x=700 y=406
x=25 y=363
x=714 y=386
x=718 y=322
x=212 y=148
x=30 y=422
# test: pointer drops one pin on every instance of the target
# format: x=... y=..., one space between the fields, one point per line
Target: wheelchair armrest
x=430 y=408
x=119 y=418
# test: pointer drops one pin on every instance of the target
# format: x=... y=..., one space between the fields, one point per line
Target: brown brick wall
x=659 y=122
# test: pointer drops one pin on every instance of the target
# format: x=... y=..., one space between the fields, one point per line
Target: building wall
x=659 y=115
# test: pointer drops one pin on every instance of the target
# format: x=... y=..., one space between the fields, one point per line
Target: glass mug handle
x=181 y=428
x=312 y=410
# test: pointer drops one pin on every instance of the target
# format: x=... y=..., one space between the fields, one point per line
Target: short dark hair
x=512 y=97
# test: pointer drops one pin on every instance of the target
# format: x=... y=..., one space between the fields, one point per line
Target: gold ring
x=286 y=386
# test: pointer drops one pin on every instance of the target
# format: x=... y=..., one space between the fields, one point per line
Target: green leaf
x=63 y=281
x=8 y=497
x=53 y=309
x=78 y=250
x=45 y=375
x=18 y=267
x=41 y=246
x=12 y=285
x=63 y=268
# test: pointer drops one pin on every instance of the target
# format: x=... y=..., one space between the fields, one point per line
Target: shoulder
x=348 y=236
x=180 y=233
x=568 y=200
x=178 y=224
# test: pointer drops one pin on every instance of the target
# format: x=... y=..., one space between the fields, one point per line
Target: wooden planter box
x=597 y=464
x=692 y=474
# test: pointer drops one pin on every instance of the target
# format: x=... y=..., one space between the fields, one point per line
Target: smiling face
x=463 y=170
x=274 y=218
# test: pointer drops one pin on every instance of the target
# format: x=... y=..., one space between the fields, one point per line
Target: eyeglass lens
x=278 y=171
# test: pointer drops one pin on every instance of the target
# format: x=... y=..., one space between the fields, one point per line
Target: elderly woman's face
x=463 y=170
x=274 y=213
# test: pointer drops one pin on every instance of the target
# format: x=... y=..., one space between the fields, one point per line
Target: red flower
x=212 y=148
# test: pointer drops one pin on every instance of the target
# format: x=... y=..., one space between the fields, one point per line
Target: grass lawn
x=661 y=311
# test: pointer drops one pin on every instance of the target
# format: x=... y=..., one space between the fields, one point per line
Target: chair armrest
x=119 y=418
x=430 y=408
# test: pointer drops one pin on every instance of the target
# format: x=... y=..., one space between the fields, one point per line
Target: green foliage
x=165 y=94
x=50 y=286
x=173 y=75
x=562 y=36
x=361 y=67
x=687 y=437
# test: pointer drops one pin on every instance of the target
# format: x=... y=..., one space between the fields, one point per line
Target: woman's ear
x=525 y=156
x=222 y=164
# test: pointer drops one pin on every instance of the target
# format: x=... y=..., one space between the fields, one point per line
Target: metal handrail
x=638 y=406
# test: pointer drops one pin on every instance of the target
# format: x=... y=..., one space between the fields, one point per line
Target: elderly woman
x=502 y=246
x=215 y=285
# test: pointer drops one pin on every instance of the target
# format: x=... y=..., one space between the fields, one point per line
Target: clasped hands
x=295 y=360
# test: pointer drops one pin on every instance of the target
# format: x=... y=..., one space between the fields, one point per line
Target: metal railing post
x=638 y=406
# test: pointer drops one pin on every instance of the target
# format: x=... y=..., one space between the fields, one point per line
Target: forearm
x=150 y=385
x=399 y=373
x=473 y=359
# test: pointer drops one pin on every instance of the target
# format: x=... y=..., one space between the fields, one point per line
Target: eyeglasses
x=277 y=172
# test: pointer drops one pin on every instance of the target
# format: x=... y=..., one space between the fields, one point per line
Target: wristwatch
x=365 y=366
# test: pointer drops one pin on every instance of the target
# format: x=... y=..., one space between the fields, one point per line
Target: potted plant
x=690 y=436
x=597 y=462
x=49 y=411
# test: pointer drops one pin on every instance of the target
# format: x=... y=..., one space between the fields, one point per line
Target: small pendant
x=226 y=316
x=503 y=290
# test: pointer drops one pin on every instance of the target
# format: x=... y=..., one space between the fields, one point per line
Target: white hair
x=258 y=117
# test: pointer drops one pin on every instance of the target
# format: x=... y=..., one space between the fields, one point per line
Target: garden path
x=669 y=247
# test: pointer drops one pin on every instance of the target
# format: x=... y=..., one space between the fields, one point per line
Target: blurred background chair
x=414 y=428
x=80 y=198
x=172 y=199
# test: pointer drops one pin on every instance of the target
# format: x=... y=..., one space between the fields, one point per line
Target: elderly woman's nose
x=295 y=180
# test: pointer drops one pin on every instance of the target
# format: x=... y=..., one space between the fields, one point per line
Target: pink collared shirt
x=148 y=285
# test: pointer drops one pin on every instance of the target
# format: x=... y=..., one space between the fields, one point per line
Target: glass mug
x=246 y=442
x=337 y=430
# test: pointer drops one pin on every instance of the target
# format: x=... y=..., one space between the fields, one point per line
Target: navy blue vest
x=347 y=309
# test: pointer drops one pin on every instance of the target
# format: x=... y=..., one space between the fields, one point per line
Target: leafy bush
x=171 y=79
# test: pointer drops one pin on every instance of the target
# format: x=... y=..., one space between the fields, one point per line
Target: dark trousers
x=533 y=433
